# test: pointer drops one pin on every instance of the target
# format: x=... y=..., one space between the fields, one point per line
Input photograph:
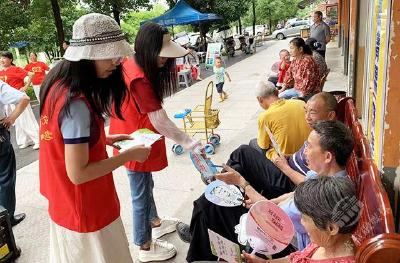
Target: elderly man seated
x=284 y=119
x=327 y=149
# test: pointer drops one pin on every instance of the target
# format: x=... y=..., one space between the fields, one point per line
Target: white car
x=290 y=30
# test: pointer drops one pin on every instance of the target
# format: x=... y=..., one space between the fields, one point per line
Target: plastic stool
x=184 y=77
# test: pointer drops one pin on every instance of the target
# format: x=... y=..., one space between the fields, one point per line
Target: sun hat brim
x=170 y=49
x=99 y=51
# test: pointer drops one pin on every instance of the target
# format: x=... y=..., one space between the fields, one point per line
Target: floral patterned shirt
x=304 y=73
x=323 y=68
x=305 y=255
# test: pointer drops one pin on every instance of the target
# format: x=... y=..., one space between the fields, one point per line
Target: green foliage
x=271 y=11
x=31 y=94
x=131 y=22
x=41 y=32
x=308 y=10
x=230 y=10
x=116 y=7
x=13 y=15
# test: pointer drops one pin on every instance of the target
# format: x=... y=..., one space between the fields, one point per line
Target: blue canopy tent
x=19 y=44
x=183 y=14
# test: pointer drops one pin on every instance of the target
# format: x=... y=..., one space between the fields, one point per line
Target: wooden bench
x=375 y=235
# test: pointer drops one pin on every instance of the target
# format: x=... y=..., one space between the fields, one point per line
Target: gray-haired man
x=284 y=118
x=321 y=32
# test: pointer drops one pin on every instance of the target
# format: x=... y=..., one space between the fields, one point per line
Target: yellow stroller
x=201 y=120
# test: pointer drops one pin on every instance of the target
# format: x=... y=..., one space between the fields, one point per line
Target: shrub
x=29 y=91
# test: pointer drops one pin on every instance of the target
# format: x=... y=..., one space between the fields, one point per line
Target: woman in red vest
x=38 y=68
x=151 y=76
x=75 y=171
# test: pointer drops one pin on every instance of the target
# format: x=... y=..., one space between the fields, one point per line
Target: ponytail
x=299 y=43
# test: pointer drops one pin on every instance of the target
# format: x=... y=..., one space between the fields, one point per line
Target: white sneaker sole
x=149 y=257
x=155 y=234
x=24 y=146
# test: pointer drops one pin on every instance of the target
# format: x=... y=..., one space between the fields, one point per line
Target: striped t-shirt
x=298 y=161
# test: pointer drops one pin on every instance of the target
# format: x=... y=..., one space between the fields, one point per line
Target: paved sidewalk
x=175 y=187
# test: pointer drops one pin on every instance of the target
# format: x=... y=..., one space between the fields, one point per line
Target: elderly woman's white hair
x=265 y=89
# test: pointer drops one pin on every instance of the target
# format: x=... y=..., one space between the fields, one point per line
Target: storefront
x=381 y=93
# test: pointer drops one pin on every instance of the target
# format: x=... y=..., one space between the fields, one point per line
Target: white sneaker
x=168 y=225
x=25 y=145
x=36 y=146
x=159 y=251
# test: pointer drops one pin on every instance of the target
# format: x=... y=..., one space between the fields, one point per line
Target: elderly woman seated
x=330 y=212
x=303 y=74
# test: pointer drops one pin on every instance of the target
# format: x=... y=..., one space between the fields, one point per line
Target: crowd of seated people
x=261 y=178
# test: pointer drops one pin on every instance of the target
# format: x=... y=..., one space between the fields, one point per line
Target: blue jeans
x=144 y=208
x=290 y=93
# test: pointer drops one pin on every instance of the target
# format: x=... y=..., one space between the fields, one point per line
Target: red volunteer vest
x=87 y=207
x=135 y=120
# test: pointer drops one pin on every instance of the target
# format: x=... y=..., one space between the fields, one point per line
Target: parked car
x=290 y=30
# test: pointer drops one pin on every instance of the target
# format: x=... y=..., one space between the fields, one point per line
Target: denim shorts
x=219 y=87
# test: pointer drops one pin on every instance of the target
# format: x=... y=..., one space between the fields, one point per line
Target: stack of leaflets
x=144 y=137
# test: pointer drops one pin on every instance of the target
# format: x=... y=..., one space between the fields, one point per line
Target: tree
x=131 y=23
x=41 y=32
x=58 y=22
x=13 y=16
x=116 y=7
x=230 y=10
x=272 y=11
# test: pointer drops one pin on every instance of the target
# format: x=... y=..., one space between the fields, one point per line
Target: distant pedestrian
x=9 y=95
x=75 y=170
x=65 y=44
x=194 y=62
x=321 y=32
x=220 y=73
x=26 y=126
x=39 y=69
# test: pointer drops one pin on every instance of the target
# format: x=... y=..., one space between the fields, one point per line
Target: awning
x=183 y=14
x=19 y=44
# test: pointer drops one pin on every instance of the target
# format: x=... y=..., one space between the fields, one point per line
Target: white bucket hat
x=95 y=37
x=170 y=49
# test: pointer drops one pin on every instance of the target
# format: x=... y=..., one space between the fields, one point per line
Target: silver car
x=290 y=30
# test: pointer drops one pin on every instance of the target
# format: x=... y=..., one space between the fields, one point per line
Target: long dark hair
x=80 y=78
x=299 y=43
x=9 y=55
x=148 y=44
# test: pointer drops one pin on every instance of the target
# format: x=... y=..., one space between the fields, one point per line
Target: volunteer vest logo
x=36 y=69
x=3 y=78
x=46 y=136
x=44 y=120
